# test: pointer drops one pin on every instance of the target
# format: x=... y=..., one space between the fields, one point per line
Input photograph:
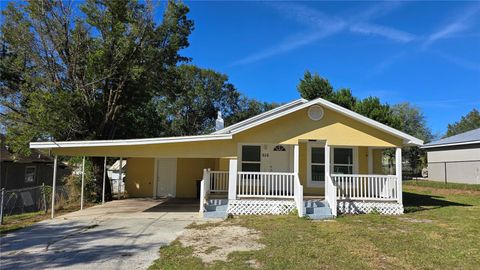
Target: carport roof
x=469 y=137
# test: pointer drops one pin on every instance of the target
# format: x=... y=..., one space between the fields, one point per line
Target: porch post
x=103 y=185
x=120 y=177
x=327 y=160
x=398 y=172
x=295 y=159
x=232 y=179
x=54 y=184
x=83 y=183
x=370 y=160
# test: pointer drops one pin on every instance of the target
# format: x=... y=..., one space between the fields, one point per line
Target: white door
x=280 y=158
x=166 y=177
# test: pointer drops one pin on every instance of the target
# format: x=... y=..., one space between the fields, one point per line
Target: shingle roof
x=469 y=137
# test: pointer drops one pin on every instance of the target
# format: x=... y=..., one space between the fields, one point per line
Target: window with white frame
x=317 y=164
x=30 y=174
x=251 y=158
x=343 y=160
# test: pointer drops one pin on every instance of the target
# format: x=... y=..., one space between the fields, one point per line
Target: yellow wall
x=336 y=128
x=189 y=170
x=377 y=161
x=362 y=160
x=140 y=177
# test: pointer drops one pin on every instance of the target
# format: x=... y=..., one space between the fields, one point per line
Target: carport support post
x=120 y=177
x=54 y=184
x=398 y=172
x=83 y=183
x=103 y=186
x=232 y=180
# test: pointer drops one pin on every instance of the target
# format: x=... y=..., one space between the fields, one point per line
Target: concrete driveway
x=125 y=234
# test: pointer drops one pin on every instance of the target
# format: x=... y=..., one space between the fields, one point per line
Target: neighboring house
x=18 y=172
x=113 y=173
x=455 y=159
x=311 y=156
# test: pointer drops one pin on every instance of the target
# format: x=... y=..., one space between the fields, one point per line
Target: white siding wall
x=460 y=165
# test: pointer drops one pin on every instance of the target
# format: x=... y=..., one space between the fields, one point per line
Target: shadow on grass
x=414 y=202
x=176 y=205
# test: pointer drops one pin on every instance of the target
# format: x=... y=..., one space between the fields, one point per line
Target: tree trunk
x=98 y=172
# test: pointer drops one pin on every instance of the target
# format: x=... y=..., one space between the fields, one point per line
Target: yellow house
x=311 y=156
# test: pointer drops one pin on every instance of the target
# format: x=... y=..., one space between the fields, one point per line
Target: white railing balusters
x=265 y=184
x=218 y=181
x=365 y=187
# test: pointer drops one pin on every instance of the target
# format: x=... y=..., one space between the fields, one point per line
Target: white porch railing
x=298 y=193
x=366 y=187
x=265 y=184
x=218 y=181
x=331 y=194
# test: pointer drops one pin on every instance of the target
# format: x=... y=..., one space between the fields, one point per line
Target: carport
x=120 y=234
x=157 y=167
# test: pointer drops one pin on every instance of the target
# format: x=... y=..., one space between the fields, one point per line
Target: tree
x=314 y=86
x=68 y=75
x=372 y=108
x=344 y=98
x=413 y=122
x=246 y=108
x=191 y=106
x=466 y=123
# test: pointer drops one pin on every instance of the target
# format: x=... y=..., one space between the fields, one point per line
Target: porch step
x=216 y=208
x=317 y=210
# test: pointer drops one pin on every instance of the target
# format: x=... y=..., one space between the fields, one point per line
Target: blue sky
x=426 y=53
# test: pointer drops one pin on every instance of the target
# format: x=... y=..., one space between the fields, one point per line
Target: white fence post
x=398 y=172
x=232 y=180
x=202 y=192
x=83 y=183
x=54 y=180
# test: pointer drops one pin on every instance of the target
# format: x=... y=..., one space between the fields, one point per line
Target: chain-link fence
x=31 y=199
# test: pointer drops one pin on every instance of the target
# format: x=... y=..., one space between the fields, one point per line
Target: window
x=317 y=168
x=251 y=158
x=279 y=148
x=30 y=174
x=343 y=160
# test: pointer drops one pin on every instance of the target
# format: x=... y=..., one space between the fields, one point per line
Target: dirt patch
x=215 y=243
x=415 y=220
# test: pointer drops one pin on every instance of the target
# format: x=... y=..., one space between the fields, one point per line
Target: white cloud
x=459 y=24
x=379 y=30
x=322 y=26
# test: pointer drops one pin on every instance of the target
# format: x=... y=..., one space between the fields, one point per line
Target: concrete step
x=212 y=207
x=215 y=214
x=212 y=201
x=314 y=203
x=320 y=217
x=318 y=210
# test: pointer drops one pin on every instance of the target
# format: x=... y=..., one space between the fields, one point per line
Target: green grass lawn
x=440 y=230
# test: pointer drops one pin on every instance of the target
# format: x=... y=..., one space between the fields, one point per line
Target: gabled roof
x=469 y=137
x=228 y=132
x=301 y=104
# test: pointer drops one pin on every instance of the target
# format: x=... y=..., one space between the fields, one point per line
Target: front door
x=166 y=177
x=279 y=158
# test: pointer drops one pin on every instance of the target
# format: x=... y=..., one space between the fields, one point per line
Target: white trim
x=310 y=183
x=355 y=158
x=126 y=142
x=408 y=139
x=448 y=144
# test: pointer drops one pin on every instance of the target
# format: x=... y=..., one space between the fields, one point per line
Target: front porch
x=240 y=192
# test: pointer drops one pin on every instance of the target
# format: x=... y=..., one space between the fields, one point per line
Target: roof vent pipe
x=219 y=123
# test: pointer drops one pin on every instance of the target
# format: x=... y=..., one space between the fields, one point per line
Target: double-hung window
x=343 y=160
x=316 y=166
x=251 y=158
x=30 y=174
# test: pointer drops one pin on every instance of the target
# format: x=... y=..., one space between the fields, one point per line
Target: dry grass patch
x=216 y=243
